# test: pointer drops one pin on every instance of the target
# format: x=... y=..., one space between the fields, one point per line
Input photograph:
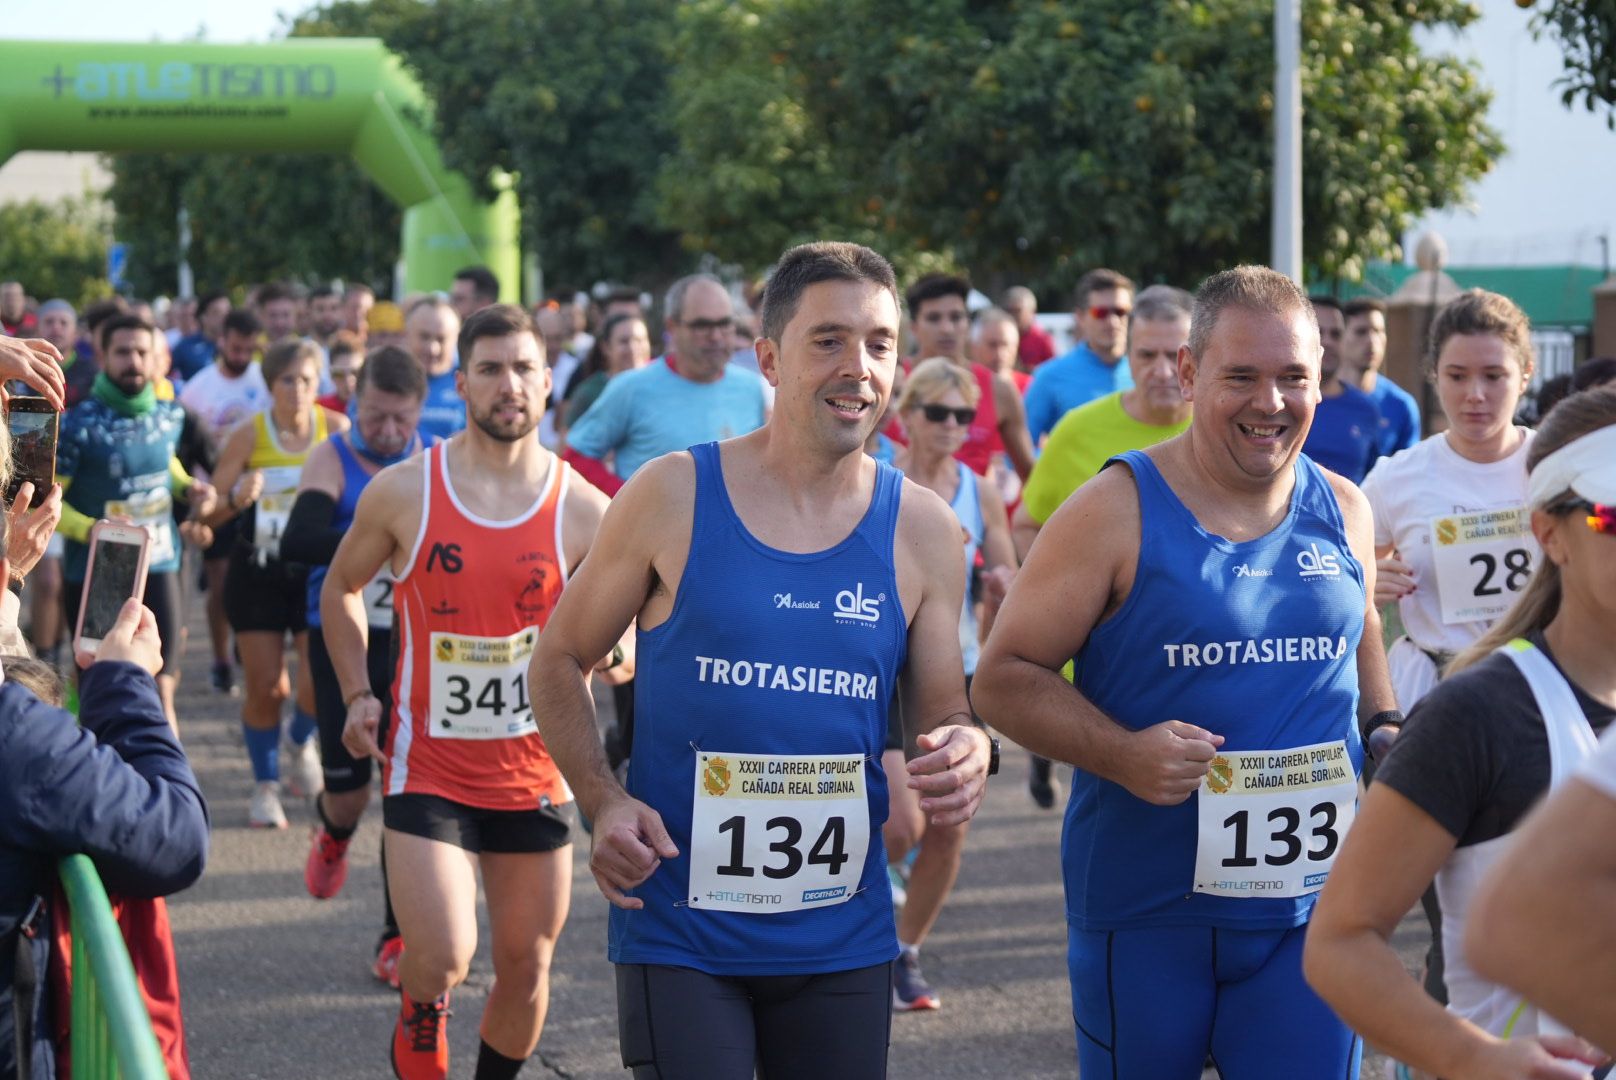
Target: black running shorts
x=677 y=1023
x=473 y=829
x=272 y=597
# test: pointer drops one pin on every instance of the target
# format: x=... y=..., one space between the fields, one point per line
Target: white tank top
x=1571 y=741
x=1424 y=501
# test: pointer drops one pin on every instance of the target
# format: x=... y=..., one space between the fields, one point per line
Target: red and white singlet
x=470 y=604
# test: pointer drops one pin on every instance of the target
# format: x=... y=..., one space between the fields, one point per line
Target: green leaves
x=253 y=218
x=1586 y=31
x=57 y=249
x=1022 y=139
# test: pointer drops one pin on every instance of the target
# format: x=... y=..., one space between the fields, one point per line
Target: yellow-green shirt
x=1080 y=445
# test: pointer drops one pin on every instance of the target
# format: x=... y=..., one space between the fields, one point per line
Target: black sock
x=493 y=1065
x=389 y=920
x=336 y=831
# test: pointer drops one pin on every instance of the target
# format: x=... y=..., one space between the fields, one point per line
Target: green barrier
x=111 y=1031
x=306 y=95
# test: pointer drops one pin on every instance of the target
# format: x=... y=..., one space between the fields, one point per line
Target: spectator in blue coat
x=115 y=786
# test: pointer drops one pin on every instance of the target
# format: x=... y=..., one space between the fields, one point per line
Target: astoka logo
x=784 y=600
x=1312 y=564
x=1244 y=570
x=853 y=604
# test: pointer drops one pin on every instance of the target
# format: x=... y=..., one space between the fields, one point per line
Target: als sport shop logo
x=853 y=606
x=1312 y=564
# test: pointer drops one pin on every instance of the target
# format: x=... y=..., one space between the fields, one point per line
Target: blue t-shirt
x=1068 y=381
x=653 y=411
x=1399 y=416
x=443 y=413
x=1256 y=641
x=110 y=458
x=191 y=354
x=1345 y=437
x=774 y=653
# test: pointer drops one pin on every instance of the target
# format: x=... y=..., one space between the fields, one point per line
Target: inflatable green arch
x=306 y=95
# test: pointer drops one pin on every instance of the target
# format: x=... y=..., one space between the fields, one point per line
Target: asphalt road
x=276 y=984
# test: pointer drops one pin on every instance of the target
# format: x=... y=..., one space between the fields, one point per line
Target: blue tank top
x=968 y=508
x=354 y=479
x=1255 y=641
x=773 y=653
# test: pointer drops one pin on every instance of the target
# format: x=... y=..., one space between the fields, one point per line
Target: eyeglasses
x=1100 y=311
x=1600 y=518
x=939 y=414
x=709 y=326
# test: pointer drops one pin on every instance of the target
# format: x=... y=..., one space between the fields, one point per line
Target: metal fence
x=111 y=1032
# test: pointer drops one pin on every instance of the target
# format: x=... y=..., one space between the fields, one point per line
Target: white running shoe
x=264 y=809
x=303 y=775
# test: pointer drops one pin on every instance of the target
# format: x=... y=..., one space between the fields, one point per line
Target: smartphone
x=32 y=422
x=117 y=571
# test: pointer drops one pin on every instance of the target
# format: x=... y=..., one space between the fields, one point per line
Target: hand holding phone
x=133 y=637
x=32 y=423
x=31 y=527
x=117 y=573
x=35 y=363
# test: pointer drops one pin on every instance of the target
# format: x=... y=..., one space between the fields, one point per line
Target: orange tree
x=1032 y=139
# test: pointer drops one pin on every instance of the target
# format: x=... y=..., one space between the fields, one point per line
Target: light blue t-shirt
x=1070 y=380
x=1399 y=416
x=652 y=411
x=443 y=413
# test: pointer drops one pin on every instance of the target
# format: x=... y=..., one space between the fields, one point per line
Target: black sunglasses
x=938 y=414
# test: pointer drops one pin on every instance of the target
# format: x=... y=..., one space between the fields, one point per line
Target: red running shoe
x=327 y=865
x=389 y=951
x=421 y=1040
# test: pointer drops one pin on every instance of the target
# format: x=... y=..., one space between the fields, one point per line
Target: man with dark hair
x=195 y=351
x=430 y=328
x=1092 y=368
x=1363 y=351
x=116 y=459
x=325 y=314
x=279 y=307
x=941 y=326
x=482 y=533
x=780 y=582
x=220 y=396
x=386 y=414
x=345 y=360
x=474 y=288
x=1222 y=630
x=1345 y=436
x=690 y=395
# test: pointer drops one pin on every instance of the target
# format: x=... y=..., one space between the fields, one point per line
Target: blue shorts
x=1156 y=1002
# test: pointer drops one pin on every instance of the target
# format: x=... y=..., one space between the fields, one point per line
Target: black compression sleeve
x=310 y=538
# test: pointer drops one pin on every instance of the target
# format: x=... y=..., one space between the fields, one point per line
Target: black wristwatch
x=993 y=756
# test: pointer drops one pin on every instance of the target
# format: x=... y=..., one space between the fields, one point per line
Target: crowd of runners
x=821 y=540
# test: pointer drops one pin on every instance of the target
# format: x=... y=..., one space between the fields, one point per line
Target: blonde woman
x=937 y=406
x=1518 y=712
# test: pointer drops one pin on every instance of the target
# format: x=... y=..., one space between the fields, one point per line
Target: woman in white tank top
x=1453 y=542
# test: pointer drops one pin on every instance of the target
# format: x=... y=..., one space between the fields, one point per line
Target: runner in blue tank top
x=385 y=412
x=1223 y=638
x=782 y=582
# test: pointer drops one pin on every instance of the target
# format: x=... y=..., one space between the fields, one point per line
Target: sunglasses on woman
x=938 y=414
x=1601 y=519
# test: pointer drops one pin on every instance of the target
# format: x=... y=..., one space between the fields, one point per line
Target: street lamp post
x=1287 y=221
